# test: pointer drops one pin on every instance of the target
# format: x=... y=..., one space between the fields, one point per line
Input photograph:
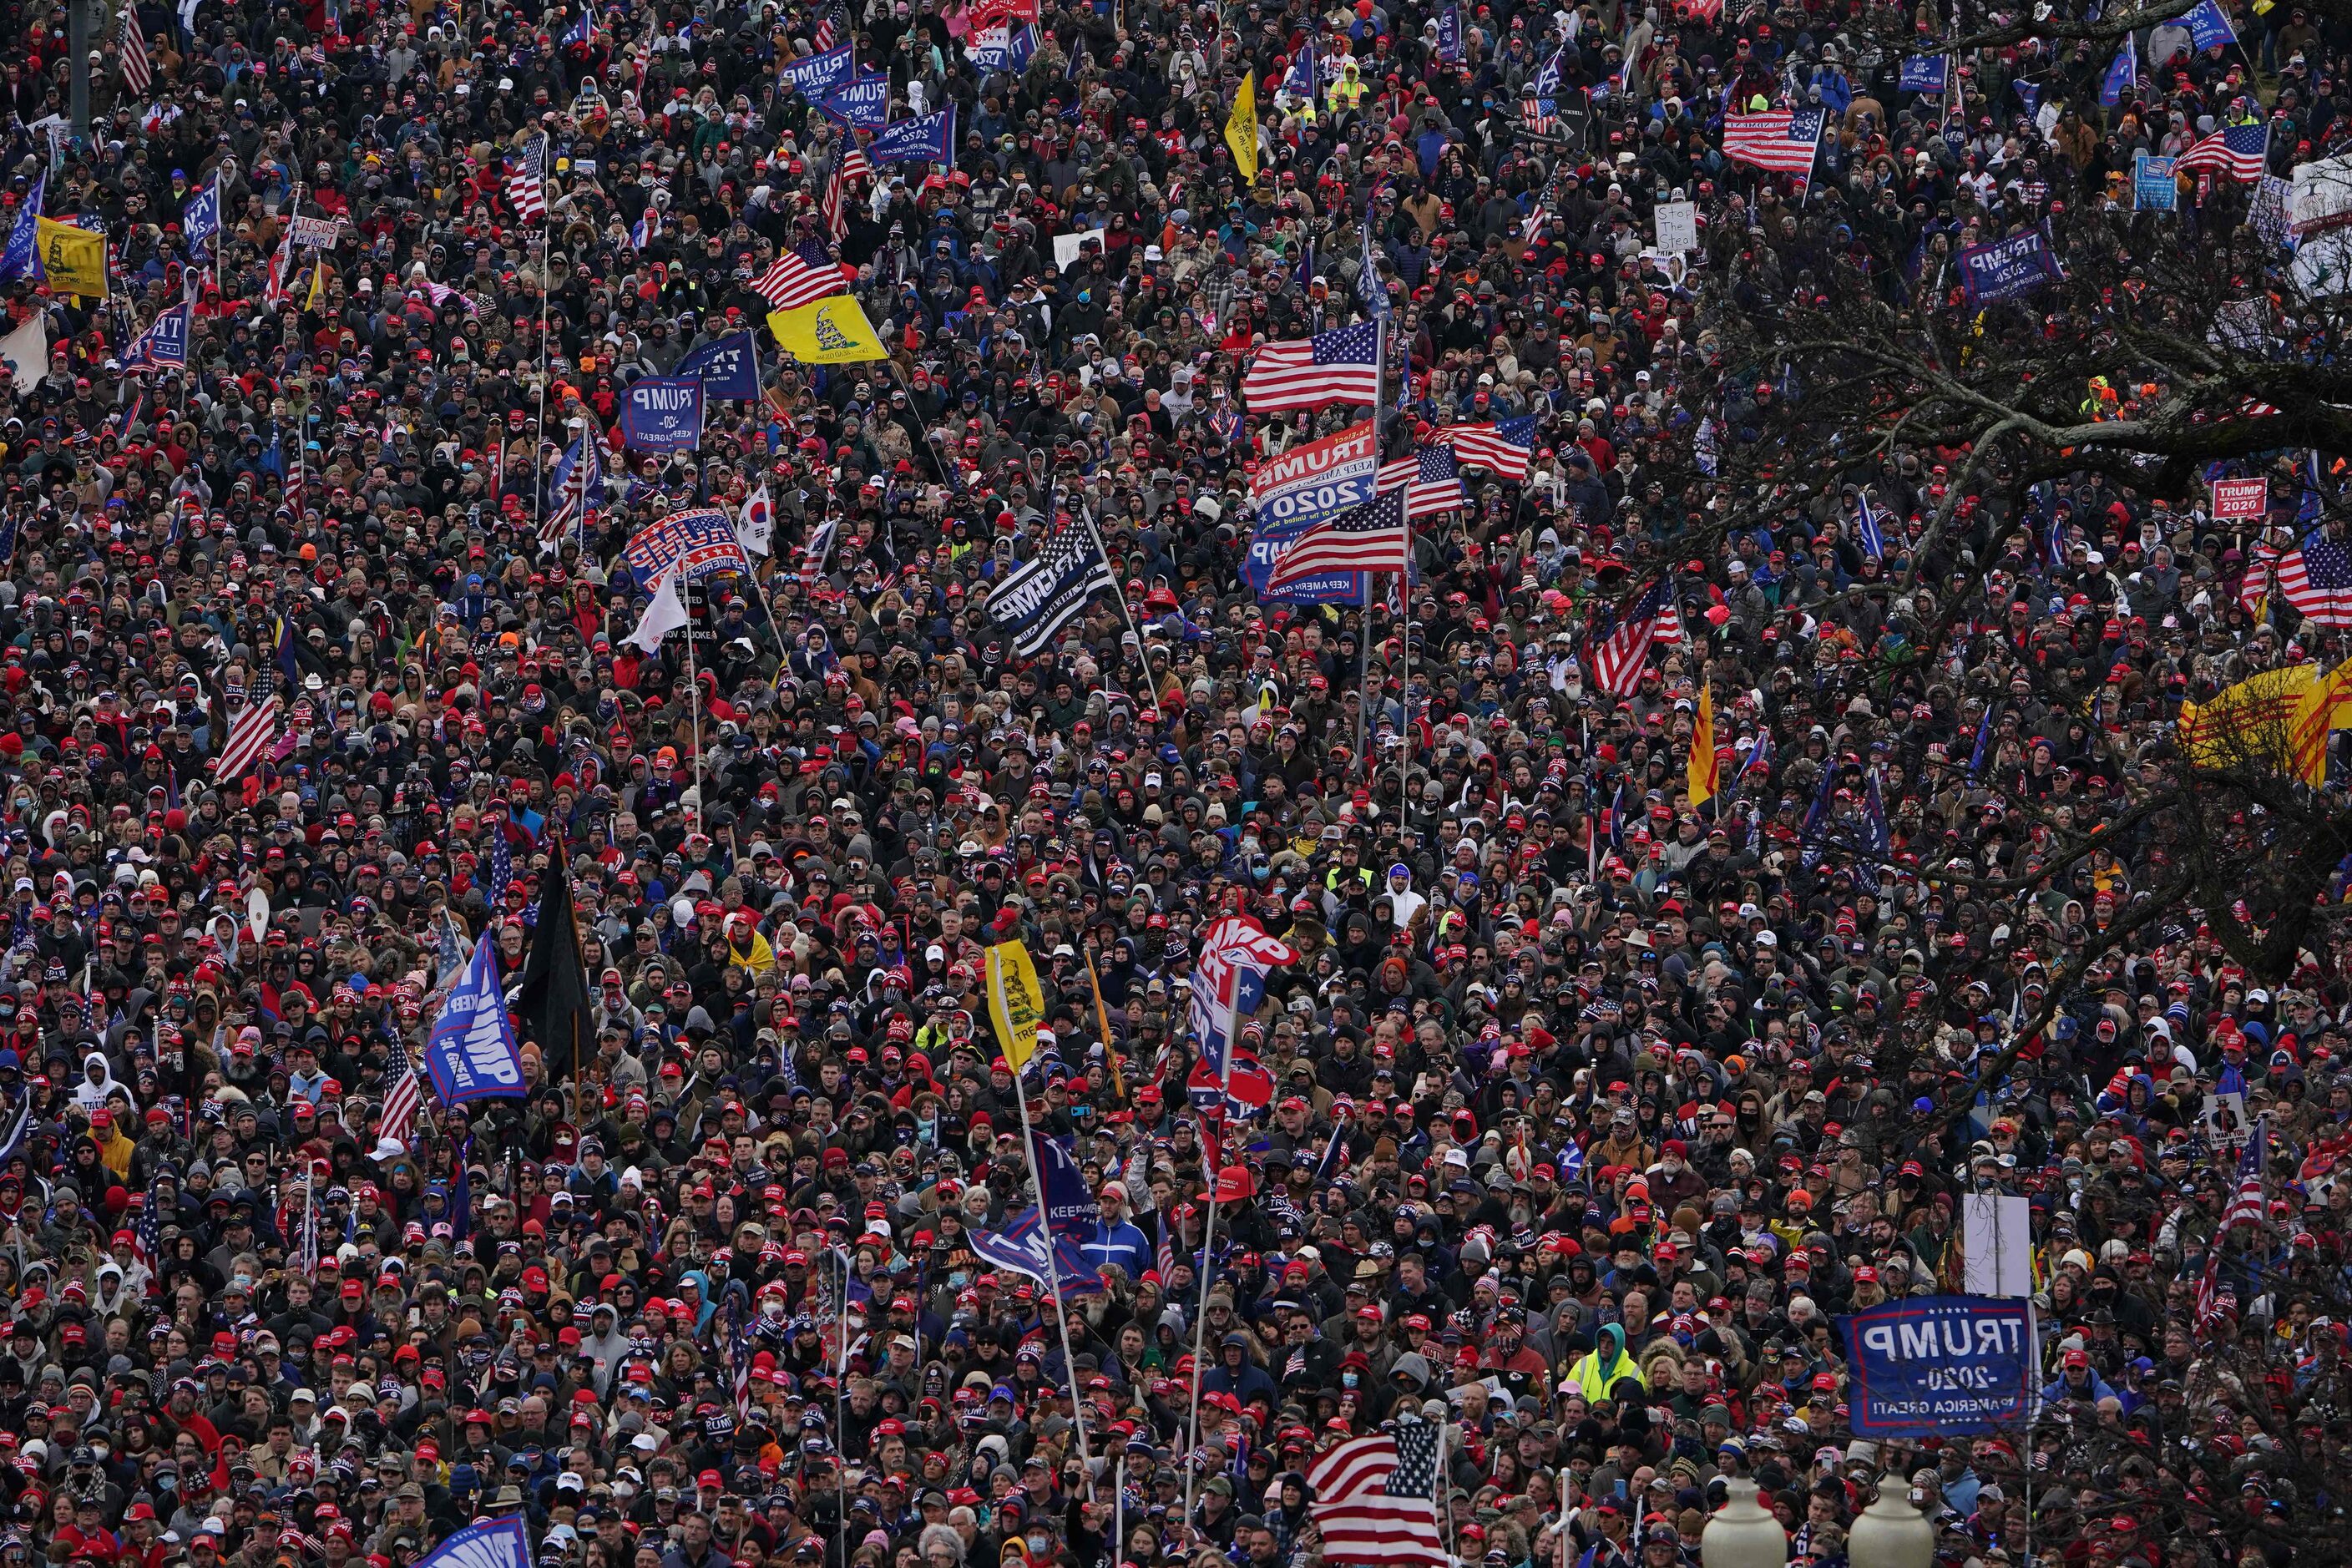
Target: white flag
x=663 y=616
x=26 y=351
x=757 y=525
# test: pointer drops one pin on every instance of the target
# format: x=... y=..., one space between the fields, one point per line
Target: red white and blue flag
x=2241 y=151
x=1431 y=479
x=1339 y=366
x=1506 y=445
x=1229 y=982
x=1781 y=140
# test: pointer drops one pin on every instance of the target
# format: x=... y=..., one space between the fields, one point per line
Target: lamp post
x=1890 y=1533
x=1743 y=1534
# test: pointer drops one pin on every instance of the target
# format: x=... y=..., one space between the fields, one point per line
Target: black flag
x=553 y=997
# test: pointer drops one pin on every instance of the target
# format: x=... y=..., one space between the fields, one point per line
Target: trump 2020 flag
x=862 y=104
x=930 y=140
x=662 y=414
x=727 y=367
x=1923 y=73
x=820 y=74
x=200 y=219
x=16 y=261
x=2123 y=75
x=472 y=1053
x=1026 y=1248
x=501 y=1542
x=164 y=345
x=2209 y=27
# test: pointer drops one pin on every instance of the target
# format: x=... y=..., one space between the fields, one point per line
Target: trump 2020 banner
x=2008 y=267
x=501 y=1542
x=471 y=1053
x=663 y=414
x=1938 y=1365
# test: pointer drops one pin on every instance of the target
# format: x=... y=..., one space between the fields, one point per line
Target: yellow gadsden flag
x=1016 y=1004
x=1706 y=770
x=1240 y=131
x=831 y=332
x=2279 y=719
x=74 y=259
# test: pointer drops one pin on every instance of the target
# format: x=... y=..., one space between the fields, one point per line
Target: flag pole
x=693 y=701
x=1054 y=1277
x=547 y=360
x=1208 y=1240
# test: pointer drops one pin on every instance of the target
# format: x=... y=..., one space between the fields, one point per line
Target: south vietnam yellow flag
x=831 y=332
x=1015 y=1003
x=2277 y=719
x=1240 y=130
x=74 y=259
x=1706 y=770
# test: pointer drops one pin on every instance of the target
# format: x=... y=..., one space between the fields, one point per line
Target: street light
x=1890 y=1533
x=1740 y=1534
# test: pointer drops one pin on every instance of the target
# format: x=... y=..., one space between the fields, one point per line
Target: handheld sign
x=1938 y=1366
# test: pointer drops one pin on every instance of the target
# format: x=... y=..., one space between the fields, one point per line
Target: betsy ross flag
x=1783 y=141
x=1374 y=537
x=1430 y=479
x=137 y=72
x=1375 y=1497
x=790 y=283
x=526 y=181
x=1506 y=445
x=1619 y=649
x=2315 y=577
x=2241 y=151
x=251 y=734
x=1341 y=366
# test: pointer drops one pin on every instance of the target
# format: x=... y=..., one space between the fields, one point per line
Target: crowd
x=1571 y=1143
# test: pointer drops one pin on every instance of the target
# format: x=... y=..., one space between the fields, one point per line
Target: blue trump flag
x=1449 y=34
x=931 y=139
x=862 y=104
x=1025 y=1248
x=727 y=367
x=2209 y=27
x=1873 y=538
x=501 y=1542
x=472 y=1052
x=200 y=219
x=2123 y=75
x=662 y=414
x=1938 y=1365
x=18 y=260
x=1924 y=73
x=1070 y=1209
x=2007 y=267
x=820 y=74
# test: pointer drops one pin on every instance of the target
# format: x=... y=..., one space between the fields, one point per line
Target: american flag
x=738 y=1352
x=1341 y=366
x=1373 y=537
x=2241 y=151
x=2215 y=1303
x=2247 y=1204
x=251 y=732
x=1506 y=445
x=791 y=282
x=1618 y=650
x=1783 y=141
x=527 y=182
x=403 y=1094
x=854 y=165
x=1375 y=1497
x=147 y=1231
x=832 y=25
x=2315 y=577
x=136 y=71
x=1430 y=479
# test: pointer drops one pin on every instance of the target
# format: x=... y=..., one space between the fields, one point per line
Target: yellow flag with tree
x=1240 y=130
x=1016 y=1002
